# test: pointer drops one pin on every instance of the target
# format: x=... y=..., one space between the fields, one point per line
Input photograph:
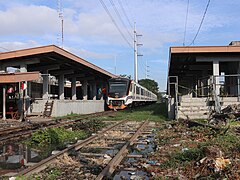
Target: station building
x=49 y=80
x=202 y=79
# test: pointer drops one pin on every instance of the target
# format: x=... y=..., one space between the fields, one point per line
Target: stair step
x=193 y=116
x=48 y=109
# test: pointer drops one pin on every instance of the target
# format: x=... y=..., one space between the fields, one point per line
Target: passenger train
x=123 y=93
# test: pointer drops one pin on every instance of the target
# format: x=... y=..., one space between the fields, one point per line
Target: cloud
x=86 y=54
x=28 y=20
x=11 y=46
x=160 y=22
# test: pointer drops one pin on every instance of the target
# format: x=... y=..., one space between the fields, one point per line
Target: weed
x=183 y=158
x=58 y=137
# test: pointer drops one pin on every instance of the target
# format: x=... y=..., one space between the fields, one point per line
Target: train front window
x=117 y=87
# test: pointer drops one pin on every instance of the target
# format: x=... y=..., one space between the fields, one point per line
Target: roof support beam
x=45 y=67
x=60 y=72
x=17 y=63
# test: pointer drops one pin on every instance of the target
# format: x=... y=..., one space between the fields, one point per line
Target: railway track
x=26 y=129
x=116 y=140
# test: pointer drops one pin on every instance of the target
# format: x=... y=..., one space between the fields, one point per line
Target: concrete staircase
x=194 y=108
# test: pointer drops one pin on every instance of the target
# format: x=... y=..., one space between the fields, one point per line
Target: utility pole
x=115 y=63
x=60 y=15
x=136 y=53
x=146 y=70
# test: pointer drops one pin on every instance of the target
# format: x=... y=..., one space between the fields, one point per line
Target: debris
x=107 y=158
x=55 y=152
x=152 y=162
x=212 y=152
x=221 y=164
x=12 y=178
x=202 y=160
x=176 y=145
x=230 y=112
x=134 y=177
x=184 y=149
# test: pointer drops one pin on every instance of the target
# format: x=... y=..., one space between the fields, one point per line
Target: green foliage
x=90 y=126
x=189 y=155
x=54 y=136
x=228 y=142
x=182 y=158
x=151 y=85
x=53 y=174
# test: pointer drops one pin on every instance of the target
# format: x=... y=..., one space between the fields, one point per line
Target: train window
x=137 y=90
x=117 y=87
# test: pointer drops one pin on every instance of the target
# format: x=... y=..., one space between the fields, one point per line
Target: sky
x=104 y=36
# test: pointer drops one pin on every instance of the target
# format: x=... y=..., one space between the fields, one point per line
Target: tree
x=151 y=85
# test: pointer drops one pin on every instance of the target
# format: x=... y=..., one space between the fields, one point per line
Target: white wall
x=64 y=107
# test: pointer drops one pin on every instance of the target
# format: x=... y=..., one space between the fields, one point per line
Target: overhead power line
x=125 y=14
x=185 y=29
x=200 y=23
x=119 y=16
x=5 y=49
x=114 y=22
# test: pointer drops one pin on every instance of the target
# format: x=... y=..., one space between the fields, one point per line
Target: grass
x=182 y=158
x=50 y=175
x=198 y=142
x=155 y=112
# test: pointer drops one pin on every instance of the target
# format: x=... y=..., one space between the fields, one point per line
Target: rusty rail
x=109 y=169
x=18 y=132
x=44 y=163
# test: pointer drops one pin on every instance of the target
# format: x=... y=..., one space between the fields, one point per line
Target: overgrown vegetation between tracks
x=49 y=139
x=154 y=112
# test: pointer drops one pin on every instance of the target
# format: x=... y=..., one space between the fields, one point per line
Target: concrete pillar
x=238 y=81
x=23 y=93
x=73 y=86
x=29 y=89
x=61 y=86
x=23 y=68
x=45 y=84
x=216 y=74
x=94 y=90
x=4 y=102
x=84 y=89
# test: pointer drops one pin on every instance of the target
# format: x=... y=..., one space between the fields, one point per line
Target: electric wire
x=5 y=49
x=114 y=22
x=141 y=68
x=200 y=23
x=119 y=16
x=185 y=29
x=124 y=12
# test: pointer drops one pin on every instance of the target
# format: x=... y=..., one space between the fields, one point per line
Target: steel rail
x=51 y=123
x=44 y=163
x=110 y=168
x=17 y=132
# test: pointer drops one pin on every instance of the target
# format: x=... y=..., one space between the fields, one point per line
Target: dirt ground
x=196 y=153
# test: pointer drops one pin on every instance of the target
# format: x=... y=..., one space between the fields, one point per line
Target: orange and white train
x=123 y=93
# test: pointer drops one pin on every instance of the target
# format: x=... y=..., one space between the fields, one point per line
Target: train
x=123 y=93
